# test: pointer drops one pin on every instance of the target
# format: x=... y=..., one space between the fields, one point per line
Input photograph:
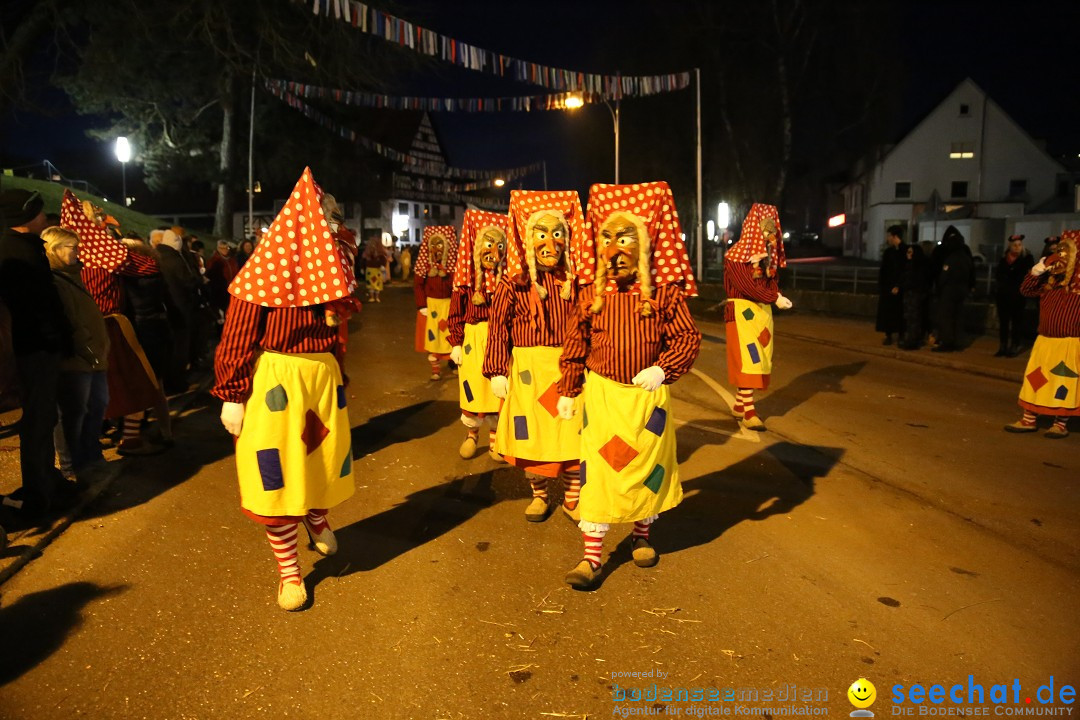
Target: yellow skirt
x=476 y=395
x=529 y=424
x=437 y=327
x=374 y=279
x=1052 y=377
x=750 y=344
x=294 y=452
x=629 y=469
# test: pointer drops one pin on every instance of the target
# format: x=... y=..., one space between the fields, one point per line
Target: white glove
x=232 y=417
x=783 y=303
x=455 y=354
x=565 y=406
x=423 y=311
x=755 y=259
x=500 y=386
x=1039 y=268
x=650 y=378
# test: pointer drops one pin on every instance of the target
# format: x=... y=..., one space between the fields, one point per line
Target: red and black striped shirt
x=250 y=328
x=740 y=284
x=515 y=322
x=1059 y=309
x=105 y=287
x=433 y=287
x=619 y=343
x=463 y=312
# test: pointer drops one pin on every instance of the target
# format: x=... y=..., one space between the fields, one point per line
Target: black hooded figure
x=890 y=311
x=954 y=281
x=915 y=288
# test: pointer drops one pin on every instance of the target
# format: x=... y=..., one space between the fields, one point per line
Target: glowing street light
x=123 y=154
x=723 y=215
x=710 y=229
x=499 y=182
x=573 y=102
x=399 y=224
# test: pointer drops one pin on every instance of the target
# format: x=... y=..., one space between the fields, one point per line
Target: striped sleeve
x=1032 y=286
x=739 y=282
x=418 y=291
x=681 y=338
x=139 y=265
x=576 y=346
x=234 y=361
x=458 y=306
x=497 y=357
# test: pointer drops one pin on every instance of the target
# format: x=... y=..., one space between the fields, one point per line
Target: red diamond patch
x=1037 y=379
x=765 y=337
x=550 y=400
x=443 y=325
x=314 y=431
x=617 y=453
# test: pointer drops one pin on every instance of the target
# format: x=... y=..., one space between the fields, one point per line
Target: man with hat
x=41 y=336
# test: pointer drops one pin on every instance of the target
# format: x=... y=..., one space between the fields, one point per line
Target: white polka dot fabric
x=654 y=205
x=97 y=248
x=752 y=239
x=471 y=224
x=297 y=262
x=523 y=203
x=423 y=258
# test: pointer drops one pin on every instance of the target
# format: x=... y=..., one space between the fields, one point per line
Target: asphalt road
x=884 y=527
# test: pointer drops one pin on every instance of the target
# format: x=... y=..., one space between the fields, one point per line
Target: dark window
x=403 y=208
x=1017 y=188
x=417 y=234
x=416 y=210
x=427 y=210
x=959 y=189
x=903 y=190
x=450 y=214
x=436 y=211
x=1063 y=188
x=965 y=109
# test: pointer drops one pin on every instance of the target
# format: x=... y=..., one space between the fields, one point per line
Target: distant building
x=966 y=164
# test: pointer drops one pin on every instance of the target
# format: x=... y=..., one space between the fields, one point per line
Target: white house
x=967 y=163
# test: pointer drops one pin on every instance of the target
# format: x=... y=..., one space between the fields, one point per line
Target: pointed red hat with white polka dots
x=654 y=206
x=97 y=247
x=471 y=225
x=446 y=262
x=526 y=203
x=297 y=262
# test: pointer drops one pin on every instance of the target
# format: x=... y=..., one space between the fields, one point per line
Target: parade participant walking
x=751 y=268
x=374 y=260
x=481 y=262
x=1052 y=378
x=133 y=385
x=1012 y=269
x=632 y=330
x=431 y=288
x=528 y=320
x=279 y=377
x=890 y=312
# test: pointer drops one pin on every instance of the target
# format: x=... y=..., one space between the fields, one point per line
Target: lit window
x=962 y=151
x=903 y=190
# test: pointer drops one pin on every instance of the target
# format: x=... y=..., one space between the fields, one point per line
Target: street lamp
x=123 y=154
x=499 y=182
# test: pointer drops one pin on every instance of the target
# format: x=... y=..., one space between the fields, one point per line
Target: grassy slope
x=53 y=192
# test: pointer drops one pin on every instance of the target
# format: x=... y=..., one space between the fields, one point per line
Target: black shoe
x=887 y=340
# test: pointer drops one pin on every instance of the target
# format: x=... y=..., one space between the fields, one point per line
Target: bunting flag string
x=553 y=101
x=479 y=178
x=393 y=29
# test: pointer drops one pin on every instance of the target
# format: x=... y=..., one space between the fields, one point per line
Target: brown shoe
x=137 y=446
x=644 y=554
x=495 y=456
x=1055 y=434
x=468 y=448
x=753 y=422
x=1019 y=427
x=538 y=510
x=574 y=513
x=583 y=576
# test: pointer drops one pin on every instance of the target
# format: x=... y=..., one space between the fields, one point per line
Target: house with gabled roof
x=967 y=163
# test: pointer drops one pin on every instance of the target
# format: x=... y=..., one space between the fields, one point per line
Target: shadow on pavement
x=823 y=380
x=691 y=439
x=422 y=517
x=37 y=624
x=413 y=422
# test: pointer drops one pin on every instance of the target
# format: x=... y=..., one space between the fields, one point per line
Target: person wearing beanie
x=632 y=330
x=481 y=263
x=1052 y=378
x=41 y=337
x=83 y=389
x=432 y=288
x=954 y=281
x=1012 y=269
x=279 y=377
x=532 y=304
x=751 y=285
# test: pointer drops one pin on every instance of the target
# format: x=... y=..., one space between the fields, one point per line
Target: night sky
x=1018 y=52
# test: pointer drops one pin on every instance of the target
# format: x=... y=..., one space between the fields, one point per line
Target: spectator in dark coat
x=915 y=289
x=1011 y=271
x=890 y=312
x=183 y=288
x=953 y=283
x=220 y=271
x=41 y=336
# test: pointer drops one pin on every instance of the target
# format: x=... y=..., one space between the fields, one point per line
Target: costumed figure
x=632 y=331
x=279 y=376
x=1052 y=377
x=107 y=263
x=375 y=259
x=751 y=268
x=481 y=262
x=432 y=288
x=528 y=318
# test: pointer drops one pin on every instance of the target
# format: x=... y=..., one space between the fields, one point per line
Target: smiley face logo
x=862 y=693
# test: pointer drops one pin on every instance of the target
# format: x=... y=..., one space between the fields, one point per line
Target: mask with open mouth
x=437 y=252
x=488 y=255
x=620 y=248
